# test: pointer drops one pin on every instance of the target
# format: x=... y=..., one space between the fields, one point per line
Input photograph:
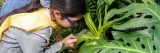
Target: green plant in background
x=1 y=2
x=96 y=30
x=135 y=27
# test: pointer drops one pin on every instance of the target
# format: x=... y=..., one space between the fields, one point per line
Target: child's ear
x=57 y=14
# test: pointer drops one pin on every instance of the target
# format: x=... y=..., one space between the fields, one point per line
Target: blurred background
x=1 y=2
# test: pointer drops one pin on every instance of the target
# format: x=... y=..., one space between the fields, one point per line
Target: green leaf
x=140 y=41
x=147 y=32
x=149 y=2
x=157 y=30
x=135 y=8
x=91 y=5
x=85 y=37
x=145 y=9
x=134 y=23
x=90 y=23
x=127 y=45
x=89 y=45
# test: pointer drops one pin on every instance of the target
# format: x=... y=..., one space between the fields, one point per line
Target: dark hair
x=69 y=7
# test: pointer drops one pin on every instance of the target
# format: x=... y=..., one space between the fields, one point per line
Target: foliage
x=135 y=27
x=1 y=2
x=126 y=45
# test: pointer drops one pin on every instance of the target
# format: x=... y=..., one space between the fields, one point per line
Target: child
x=29 y=30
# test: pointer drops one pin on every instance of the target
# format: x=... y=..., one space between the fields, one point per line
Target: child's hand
x=69 y=41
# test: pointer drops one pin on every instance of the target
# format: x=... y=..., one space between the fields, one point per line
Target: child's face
x=65 y=21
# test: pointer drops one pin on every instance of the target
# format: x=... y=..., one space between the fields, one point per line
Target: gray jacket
x=16 y=40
